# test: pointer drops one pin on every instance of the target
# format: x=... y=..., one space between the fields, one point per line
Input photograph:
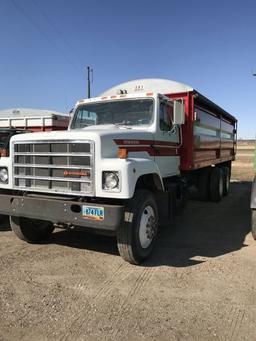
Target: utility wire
x=55 y=28
x=48 y=37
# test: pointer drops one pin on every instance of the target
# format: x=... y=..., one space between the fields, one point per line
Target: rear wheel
x=31 y=230
x=253 y=224
x=226 y=180
x=137 y=235
x=216 y=184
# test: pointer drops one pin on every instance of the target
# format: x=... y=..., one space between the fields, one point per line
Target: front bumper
x=60 y=211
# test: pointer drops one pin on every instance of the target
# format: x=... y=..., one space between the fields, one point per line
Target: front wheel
x=137 y=235
x=31 y=230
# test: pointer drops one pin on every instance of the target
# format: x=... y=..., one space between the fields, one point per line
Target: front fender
x=142 y=167
x=130 y=171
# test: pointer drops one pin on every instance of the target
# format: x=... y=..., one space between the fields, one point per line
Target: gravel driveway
x=200 y=283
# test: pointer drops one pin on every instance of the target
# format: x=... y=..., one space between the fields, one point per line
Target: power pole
x=89 y=80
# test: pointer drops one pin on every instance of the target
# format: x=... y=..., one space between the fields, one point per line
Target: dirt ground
x=199 y=284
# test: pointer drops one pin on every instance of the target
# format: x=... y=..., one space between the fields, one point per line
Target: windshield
x=122 y=112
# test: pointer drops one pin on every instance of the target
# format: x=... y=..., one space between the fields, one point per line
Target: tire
x=204 y=184
x=136 y=238
x=226 y=180
x=216 y=184
x=253 y=224
x=31 y=230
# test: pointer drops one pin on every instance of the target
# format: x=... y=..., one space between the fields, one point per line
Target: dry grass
x=242 y=168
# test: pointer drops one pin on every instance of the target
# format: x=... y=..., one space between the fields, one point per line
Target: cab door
x=167 y=140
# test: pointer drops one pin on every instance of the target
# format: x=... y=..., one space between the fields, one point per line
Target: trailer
x=33 y=119
x=124 y=167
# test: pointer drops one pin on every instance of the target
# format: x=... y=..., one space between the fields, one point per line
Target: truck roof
x=29 y=112
x=163 y=86
x=33 y=119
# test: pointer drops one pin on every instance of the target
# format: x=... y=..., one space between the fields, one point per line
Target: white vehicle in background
x=20 y=121
x=123 y=166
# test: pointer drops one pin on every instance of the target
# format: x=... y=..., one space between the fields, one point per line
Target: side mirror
x=178 y=111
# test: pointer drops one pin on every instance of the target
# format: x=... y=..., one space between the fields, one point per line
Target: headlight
x=110 y=180
x=3 y=175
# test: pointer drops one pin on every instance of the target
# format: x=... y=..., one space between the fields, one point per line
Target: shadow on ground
x=85 y=240
x=4 y=223
x=205 y=230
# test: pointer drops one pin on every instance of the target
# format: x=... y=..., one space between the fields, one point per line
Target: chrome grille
x=56 y=167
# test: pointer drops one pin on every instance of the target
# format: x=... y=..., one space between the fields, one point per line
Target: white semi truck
x=123 y=166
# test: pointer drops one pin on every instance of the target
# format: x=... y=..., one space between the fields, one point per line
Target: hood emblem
x=76 y=173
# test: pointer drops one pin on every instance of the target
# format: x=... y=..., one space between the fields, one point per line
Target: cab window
x=166 y=116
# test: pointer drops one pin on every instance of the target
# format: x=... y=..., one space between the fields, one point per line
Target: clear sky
x=46 y=45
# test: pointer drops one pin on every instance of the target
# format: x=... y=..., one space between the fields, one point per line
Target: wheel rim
x=148 y=227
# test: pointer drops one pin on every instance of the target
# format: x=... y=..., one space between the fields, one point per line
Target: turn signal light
x=3 y=153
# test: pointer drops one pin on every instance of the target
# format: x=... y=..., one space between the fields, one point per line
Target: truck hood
x=104 y=137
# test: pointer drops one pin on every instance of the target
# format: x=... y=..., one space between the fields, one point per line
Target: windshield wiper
x=122 y=125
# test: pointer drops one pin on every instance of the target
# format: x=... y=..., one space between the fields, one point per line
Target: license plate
x=93 y=212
